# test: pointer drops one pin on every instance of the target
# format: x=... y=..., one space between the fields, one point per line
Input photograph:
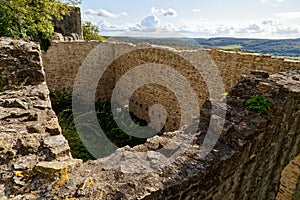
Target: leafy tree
x=74 y=2
x=30 y=19
x=91 y=32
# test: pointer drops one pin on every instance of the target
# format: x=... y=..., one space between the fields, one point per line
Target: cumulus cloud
x=104 y=13
x=151 y=21
x=258 y=29
x=168 y=12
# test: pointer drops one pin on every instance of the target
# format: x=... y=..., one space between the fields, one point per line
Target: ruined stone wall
x=289 y=182
x=246 y=162
x=70 y=25
x=232 y=64
x=62 y=61
x=31 y=143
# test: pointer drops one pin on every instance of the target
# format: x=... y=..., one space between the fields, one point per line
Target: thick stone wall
x=289 y=182
x=31 y=144
x=70 y=25
x=251 y=160
x=246 y=162
x=63 y=60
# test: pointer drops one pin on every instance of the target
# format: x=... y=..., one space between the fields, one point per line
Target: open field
x=231 y=47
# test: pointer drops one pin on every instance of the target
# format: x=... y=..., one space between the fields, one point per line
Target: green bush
x=62 y=105
x=91 y=32
x=258 y=103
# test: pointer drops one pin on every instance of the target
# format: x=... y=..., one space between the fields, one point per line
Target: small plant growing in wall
x=258 y=103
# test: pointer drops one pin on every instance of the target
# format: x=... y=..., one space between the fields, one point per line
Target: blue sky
x=195 y=18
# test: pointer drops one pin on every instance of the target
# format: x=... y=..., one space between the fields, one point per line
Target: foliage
x=91 y=32
x=258 y=103
x=78 y=150
x=74 y=2
x=62 y=105
x=111 y=129
x=30 y=19
x=60 y=100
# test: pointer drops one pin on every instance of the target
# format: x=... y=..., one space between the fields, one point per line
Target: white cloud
x=272 y=1
x=151 y=24
x=107 y=26
x=288 y=15
x=196 y=10
x=168 y=12
x=151 y=21
x=104 y=13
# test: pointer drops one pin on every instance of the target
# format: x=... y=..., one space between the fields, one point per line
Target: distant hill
x=278 y=47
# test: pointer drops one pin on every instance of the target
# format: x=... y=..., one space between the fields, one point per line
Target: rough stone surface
x=20 y=64
x=246 y=163
x=61 y=71
x=289 y=182
x=69 y=27
x=30 y=136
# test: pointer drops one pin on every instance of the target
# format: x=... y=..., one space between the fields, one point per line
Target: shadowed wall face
x=70 y=24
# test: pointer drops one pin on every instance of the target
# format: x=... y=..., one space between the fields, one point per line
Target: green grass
x=296 y=58
x=231 y=47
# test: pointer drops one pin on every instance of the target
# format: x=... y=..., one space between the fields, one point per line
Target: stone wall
x=246 y=162
x=31 y=143
x=70 y=25
x=63 y=60
x=289 y=182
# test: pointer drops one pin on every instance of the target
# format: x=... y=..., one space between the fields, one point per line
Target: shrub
x=62 y=105
x=258 y=103
x=91 y=32
x=60 y=100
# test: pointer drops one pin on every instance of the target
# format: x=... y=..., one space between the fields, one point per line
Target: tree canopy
x=74 y=2
x=91 y=31
x=30 y=19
